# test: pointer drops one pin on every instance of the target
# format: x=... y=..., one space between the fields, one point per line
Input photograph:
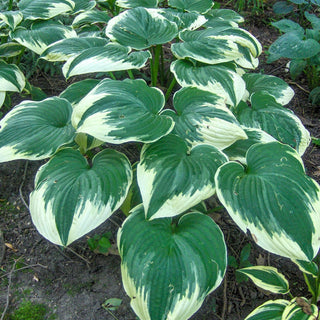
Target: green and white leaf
x=202 y=118
x=281 y=123
x=270 y=310
x=237 y=151
x=72 y=198
x=10 y=49
x=221 y=80
x=90 y=17
x=2 y=97
x=308 y=267
x=83 y=5
x=122 y=111
x=35 y=130
x=11 y=78
x=300 y=309
x=215 y=16
x=42 y=34
x=274 y=86
x=173 y=178
x=111 y=57
x=76 y=91
x=141 y=28
x=44 y=9
x=137 y=3
x=64 y=49
x=182 y=263
x=267 y=278
x=11 y=18
x=215 y=45
x=184 y=20
x=274 y=199
x=200 y=6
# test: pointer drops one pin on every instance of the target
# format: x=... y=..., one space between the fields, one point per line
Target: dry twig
x=21 y=185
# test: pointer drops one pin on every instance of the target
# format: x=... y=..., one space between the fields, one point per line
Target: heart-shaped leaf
x=83 y=5
x=215 y=16
x=42 y=34
x=267 y=278
x=274 y=199
x=35 y=130
x=10 y=49
x=11 y=78
x=200 y=6
x=202 y=117
x=172 y=179
x=140 y=28
x=274 y=86
x=112 y=57
x=72 y=198
x=122 y=111
x=281 y=123
x=168 y=269
x=44 y=9
x=219 y=79
x=64 y=49
x=270 y=310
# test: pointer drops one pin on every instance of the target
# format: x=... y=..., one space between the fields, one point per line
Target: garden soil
x=75 y=283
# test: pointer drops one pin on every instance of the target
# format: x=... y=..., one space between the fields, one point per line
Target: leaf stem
x=112 y=76
x=10 y=4
x=170 y=88
x=130 y=74
x=155 y=65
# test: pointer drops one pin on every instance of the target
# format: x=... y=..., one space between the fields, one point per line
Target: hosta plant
x=302 y=47
x=270 y=279
x=226 y=132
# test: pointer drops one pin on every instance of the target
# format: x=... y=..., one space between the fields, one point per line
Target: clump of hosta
x=227 y=133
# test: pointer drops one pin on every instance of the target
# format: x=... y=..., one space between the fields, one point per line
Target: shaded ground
x=74 y=283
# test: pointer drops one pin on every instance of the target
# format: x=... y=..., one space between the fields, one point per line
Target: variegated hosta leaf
x=35 y=130
x=215 y=46
x=72 y=198
x=76 y=91
x=238 y=150
x=200 y=6
x=91 y=17
x=137 y=3
x=141 y=28
x=267 y=278
x=173 y=178
x=83 y=5
x=274 y=86
x=270 y=310
x=11 y=18
x=64 y=49
x=274 y=199
x=202 y=117
x=44 y=9
x=184 y=20
x=10 y=49
x=308 y=267
x=218 y=79
x=121 y=111
x=42 y=34
x=11 y=78
x=168 y=269
x=300 y=309
x=223 y=15
x=281 y=123
x=112 y=57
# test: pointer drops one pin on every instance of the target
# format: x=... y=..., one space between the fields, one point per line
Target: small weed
x=29 y=311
